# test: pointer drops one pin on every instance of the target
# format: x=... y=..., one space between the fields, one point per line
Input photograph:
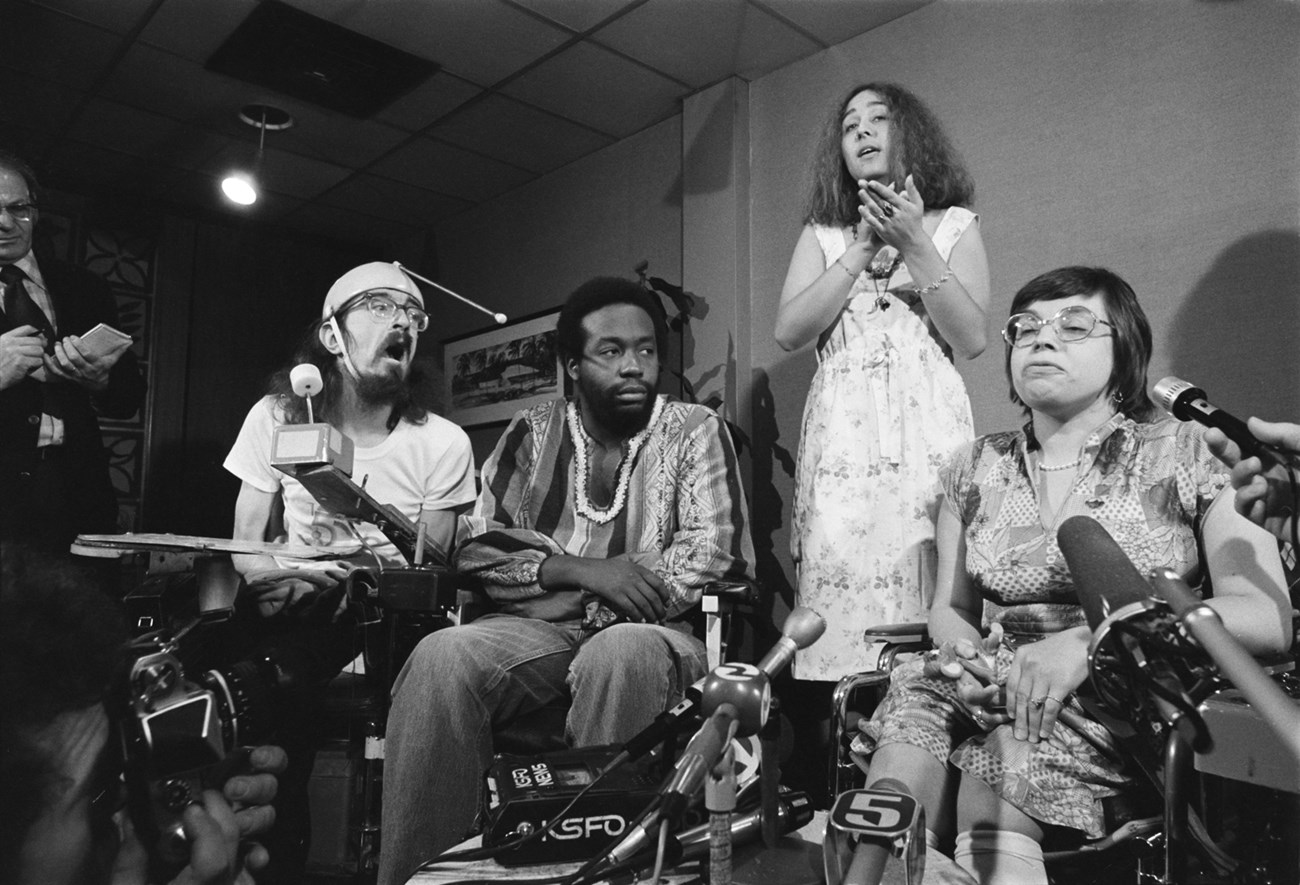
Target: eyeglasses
x=19 y=211
x=1073 y=323
x=382 y=309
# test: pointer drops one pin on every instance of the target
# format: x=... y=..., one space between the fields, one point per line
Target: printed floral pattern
x=885 y=409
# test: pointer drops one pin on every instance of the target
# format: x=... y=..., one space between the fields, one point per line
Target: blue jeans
x=461 y=683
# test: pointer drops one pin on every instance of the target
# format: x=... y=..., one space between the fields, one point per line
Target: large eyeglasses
x=383 y=308
x=1073 y=323
x=20 y=211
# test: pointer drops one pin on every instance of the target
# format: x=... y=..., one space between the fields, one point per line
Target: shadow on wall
x=1238 y=333
x=767 y=505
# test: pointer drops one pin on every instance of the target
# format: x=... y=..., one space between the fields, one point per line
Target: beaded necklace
x=623 y=475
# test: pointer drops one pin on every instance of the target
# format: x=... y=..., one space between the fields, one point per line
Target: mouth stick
x=499 y=317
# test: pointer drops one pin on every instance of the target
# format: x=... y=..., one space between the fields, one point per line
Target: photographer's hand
x=251 y=794
x=217 y=829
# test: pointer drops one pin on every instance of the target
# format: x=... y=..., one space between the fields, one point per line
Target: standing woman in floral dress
x=889 y=277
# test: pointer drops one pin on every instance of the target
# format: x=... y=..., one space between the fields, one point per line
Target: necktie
x=21 y=309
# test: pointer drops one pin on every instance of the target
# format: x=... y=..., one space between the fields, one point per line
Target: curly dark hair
x=600 y=292
x=919 y=147
x=1130 y=340
x=414 y=401
x=61 y=641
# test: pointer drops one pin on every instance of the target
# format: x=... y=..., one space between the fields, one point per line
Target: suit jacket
x=81 y=300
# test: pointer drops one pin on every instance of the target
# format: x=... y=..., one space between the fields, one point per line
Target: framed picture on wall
x=492 y=374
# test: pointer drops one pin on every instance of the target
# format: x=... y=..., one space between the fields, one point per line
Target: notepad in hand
x=102 y=341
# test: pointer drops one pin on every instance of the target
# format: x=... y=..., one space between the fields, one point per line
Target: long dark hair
x=413 y=403
x=919 y=148
x=1130 y=345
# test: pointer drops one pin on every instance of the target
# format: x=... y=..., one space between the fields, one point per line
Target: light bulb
x=239 y=188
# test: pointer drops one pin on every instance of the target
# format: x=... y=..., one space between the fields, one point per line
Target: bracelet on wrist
x=926 y=290
x=846 y=269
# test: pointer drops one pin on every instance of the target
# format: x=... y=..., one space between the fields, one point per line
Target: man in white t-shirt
x=405 y=456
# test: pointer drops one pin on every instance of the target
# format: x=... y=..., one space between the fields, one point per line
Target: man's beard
x=383 y=389
x=622 y=419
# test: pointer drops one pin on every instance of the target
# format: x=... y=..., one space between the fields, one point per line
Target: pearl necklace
x=1049 y=468
x=624 y=475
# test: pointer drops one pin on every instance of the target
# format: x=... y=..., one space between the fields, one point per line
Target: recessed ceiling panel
x=599 y=89
x=195 y=30
x=298 y=54
x=519 y=134
x=481 y=41
x=449 y=170
x=702 y=43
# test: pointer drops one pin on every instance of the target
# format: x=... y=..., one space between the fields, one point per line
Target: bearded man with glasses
x=53 y=465
x=405 y=456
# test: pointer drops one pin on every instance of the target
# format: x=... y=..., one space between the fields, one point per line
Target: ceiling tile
x=579 y=15
x=385 y=198
x=481 y=41
x=195 y=30
x=118 y=16
x=340 y=224
x=834 y=21
x=599 y=89
x=174 y=86
x=281 y=171
x=54 y=47
x=34 y=102
x=145 y=134
x=702 y=43
x=427 y=102
x=449 y=170
x=72 y=162
x=519 y=134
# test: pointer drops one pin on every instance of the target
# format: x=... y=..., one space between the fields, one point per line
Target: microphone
x=794 y=810
x=737 y=698
x=1188 y=403
x=802 y=628
x=1105 y=579
x=1276 y=708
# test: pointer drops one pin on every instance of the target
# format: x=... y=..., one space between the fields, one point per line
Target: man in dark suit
x=53 y=465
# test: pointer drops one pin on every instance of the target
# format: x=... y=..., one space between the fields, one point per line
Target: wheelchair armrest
x=899 y=634
x=734 y=592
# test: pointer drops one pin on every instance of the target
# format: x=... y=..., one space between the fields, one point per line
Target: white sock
x=1001 y=857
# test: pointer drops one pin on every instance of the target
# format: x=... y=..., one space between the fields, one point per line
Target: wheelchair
x=1215 y=800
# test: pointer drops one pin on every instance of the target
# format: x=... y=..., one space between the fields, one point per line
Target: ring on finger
x=1037 y=703
x=887 y=209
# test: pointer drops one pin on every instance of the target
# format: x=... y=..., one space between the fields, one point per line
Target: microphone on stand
x=1188 y=403
x=1273 y=704
x=802 y=628
x=734 y=696
x=1113 y=592
x=1105 y=579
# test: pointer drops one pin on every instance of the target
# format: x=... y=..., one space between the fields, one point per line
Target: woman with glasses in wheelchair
x=987 y=732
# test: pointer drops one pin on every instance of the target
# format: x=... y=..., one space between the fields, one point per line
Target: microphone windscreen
x=1105 y=579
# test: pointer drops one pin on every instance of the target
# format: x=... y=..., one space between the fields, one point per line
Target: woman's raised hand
x=893 y=217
